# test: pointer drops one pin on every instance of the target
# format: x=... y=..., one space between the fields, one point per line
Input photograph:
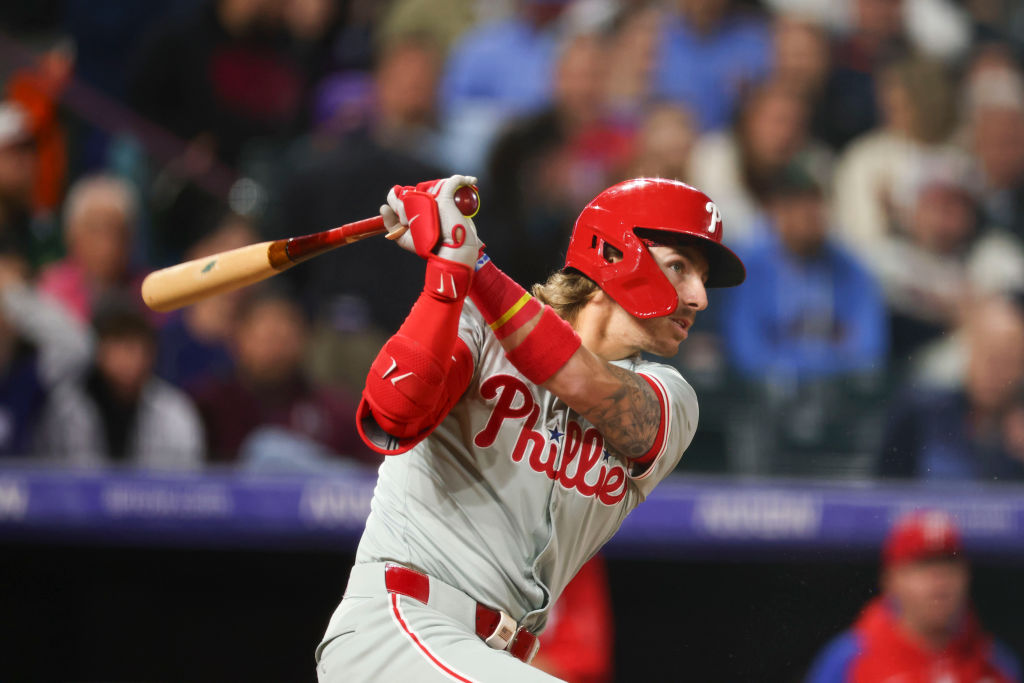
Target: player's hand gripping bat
x=187 y=283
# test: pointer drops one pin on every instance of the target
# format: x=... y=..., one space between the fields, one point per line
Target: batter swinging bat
x=186 y=283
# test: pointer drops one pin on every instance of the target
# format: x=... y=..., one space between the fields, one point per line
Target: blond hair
x=566 y=291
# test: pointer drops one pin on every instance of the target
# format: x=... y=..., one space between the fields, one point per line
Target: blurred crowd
x=867 y=157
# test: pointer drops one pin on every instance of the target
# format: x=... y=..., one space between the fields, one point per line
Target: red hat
x=922 y=534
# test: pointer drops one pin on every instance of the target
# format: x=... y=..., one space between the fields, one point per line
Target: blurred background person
x=922 y=627
x=810 y=309
x=806 y=337
x=710 y=52
x=41 y=345
x=331 y=178
x=221 y=75
x=738 y=165
x=916 y=99
x=545 y=167
x=994 y=94
x=118 y=412
x=874 y=37
x=99 y=223
x=395 y=104
x=36 y=89
x=664 y=142
x=19 y=164
x=268 y=388
x=971 y=431
x=803 y=60
x=632 y=58
x=940 y=259
x=497 y=70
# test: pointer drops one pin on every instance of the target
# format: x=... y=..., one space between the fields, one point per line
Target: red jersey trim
x=658 y=447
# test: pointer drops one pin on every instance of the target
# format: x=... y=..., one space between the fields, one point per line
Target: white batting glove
x=437 y=228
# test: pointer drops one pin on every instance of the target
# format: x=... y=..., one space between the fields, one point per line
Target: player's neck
x=599 y=326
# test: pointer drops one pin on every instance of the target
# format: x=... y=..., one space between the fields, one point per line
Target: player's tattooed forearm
x=627 y=418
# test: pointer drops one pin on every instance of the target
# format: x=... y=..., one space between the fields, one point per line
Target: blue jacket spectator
x=708 y=55
x=808 y=308
x=495 y=72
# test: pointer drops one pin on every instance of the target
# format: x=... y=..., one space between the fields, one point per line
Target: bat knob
x=467 y=200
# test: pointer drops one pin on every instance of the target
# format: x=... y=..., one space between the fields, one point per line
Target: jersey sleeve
x=676 y=427
x=473 y=330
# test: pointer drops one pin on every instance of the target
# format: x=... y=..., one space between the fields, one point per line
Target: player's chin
x=666 y=346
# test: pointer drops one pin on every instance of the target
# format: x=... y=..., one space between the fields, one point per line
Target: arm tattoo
x=628 y=418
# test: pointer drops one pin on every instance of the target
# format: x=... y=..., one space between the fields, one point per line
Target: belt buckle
x=503 y=632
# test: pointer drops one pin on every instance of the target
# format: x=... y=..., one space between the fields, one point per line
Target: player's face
x=687 y=269
x=930 y=594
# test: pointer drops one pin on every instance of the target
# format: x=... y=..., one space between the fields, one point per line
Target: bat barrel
x=184 y=284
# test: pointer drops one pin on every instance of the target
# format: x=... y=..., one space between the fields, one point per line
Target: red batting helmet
x=636 y=282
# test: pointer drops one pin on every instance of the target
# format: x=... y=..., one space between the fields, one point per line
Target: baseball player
x=522 y=429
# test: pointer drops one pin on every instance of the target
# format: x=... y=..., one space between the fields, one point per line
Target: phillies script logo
x=582 y=453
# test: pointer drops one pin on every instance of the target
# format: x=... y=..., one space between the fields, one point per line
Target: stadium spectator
x=808 y=308
x=737 y=166
x=194 y=343
x=994 y=93
x=546 y=166
x=36 y=89
x=917 y=101
x=221 y=74
x=19 y=163
x=118 y=412
x=40 y=345
x=632 y=59
x=99 y=223
x=922 y=626
x=802 y=60
x=972 y=431
x=709 y=53
x=268 y=388
x=332 y=177
x=875 y=37
x=395 y=105
x=939 y=259
x=445 y=21
x=496 y=71
x=664 y=143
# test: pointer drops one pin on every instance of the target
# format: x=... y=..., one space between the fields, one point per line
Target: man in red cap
x=922 y=628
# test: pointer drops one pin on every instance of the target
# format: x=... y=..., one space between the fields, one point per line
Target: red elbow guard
x=403 y=385
x=408 y=393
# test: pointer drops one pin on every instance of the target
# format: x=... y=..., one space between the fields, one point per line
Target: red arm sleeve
x=422 y=371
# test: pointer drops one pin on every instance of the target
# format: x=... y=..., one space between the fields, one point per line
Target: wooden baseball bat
x=176 y=286
x=186 y=283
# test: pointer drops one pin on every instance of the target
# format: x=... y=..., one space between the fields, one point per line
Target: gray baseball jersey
x=514 y=491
